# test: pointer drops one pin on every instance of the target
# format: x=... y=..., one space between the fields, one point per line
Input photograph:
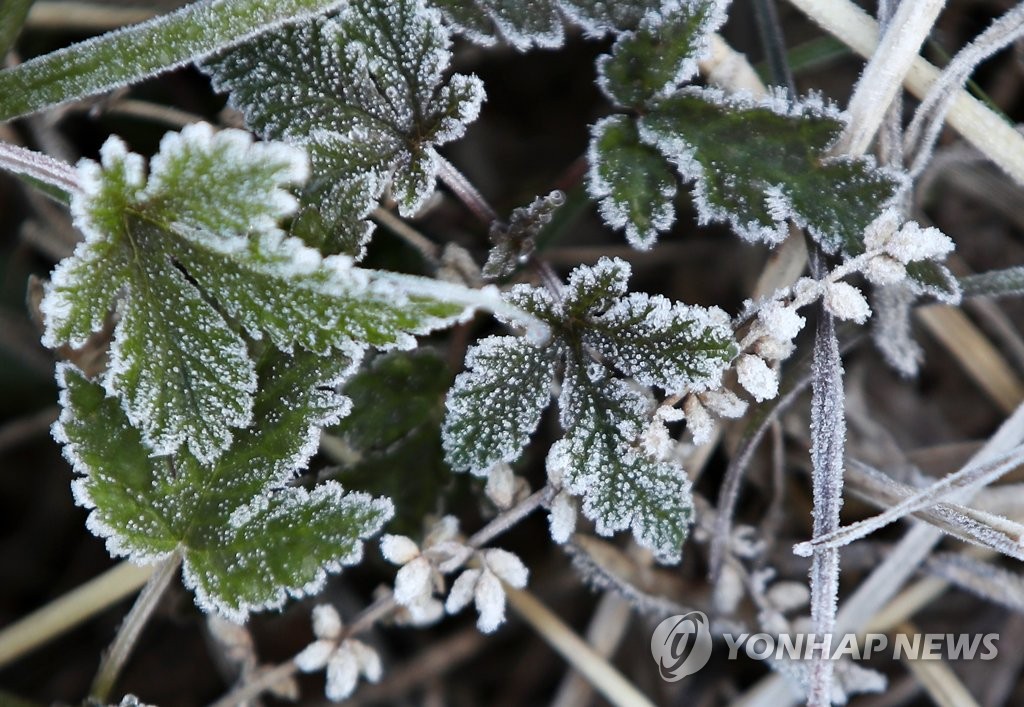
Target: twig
x=828 y=436
x=464 y=190
x=131 y=628
x=605 y=678
x=426 y=247
x=36 y=165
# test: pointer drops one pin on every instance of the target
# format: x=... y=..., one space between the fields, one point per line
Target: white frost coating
x=891 y=330
x=342 y=674
x=501 y=485
x=724 y=403
x=756 y=377
x=507 y=566
x=489 y=597
x=461 y=592
x=780 y=321
x=846 y=302
x=315 y=656
x=413 y=581
x=884 y=270
x=562 y=517
x=326 y=621
x=496 y=404
x=698 y=421
x=398 y=549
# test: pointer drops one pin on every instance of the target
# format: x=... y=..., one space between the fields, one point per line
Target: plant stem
x=131 y=628
x=36 y=165
x=464 y=190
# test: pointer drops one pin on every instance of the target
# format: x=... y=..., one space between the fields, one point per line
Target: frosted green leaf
x=520 y=23
x=539 y=23
x=496 y=404
x=365 y=93
x=659 y=342
x=195 y=240
x=602 y=460
x=661 y=53
x=134 y=53
x=758 y=165
x=248 y=539
x=608 y=341
x=633 y=184
x=927 y=277
x=599 y=17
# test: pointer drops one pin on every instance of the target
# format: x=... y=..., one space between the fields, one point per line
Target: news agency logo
x=681 y=645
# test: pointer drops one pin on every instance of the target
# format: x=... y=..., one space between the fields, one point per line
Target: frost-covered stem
x=828 y=434
x=883 y=76
x=465 y=191
x=259 y=683
x=131 y=628
x=511 y=517
x=38 y=166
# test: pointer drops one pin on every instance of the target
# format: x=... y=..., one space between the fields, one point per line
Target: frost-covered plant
x=225 y=268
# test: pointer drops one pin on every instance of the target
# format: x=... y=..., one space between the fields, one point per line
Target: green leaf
x=129 y=55
x=609 y=341
x=248 y=540
x=495 y=405
x=12 y=16
x=661 y=54
x=602 y=459
x=520 y=23
x=365 y=93
x=528 y=23
x=926 y=277
x=197 y=240
x=659 y=342
x=758 y=165
x=633 y=184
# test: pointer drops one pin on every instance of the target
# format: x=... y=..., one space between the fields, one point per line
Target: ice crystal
x=365 y=93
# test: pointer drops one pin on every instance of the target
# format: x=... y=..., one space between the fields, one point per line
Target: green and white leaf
x=659 y=342
x=248 y=540
x=759 y=164
x=610 y=342
x=196 y=240
x=129 y=55
x=364 y=92
x=495 y=405
x=540 y=23
x=662 y=53
x=603 y=459
x=632 y=183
